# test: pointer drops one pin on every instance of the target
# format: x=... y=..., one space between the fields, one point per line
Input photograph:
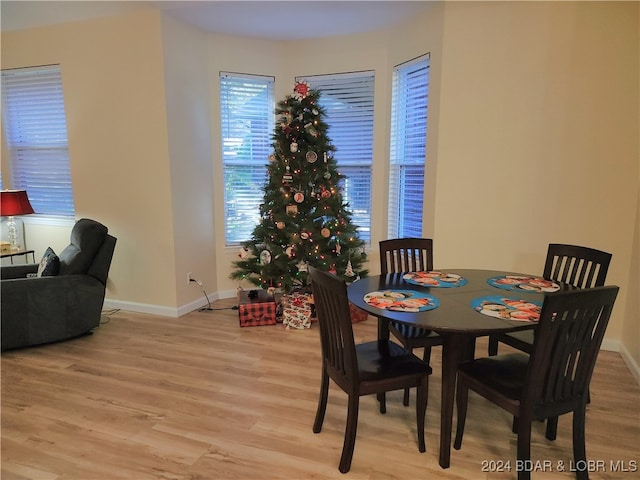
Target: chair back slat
x=399 y=255
x=567 y=341
x=334 y=319
x=577 y=266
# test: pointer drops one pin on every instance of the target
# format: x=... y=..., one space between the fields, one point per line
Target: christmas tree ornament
x=292 y=210
x=302 y=266
x=280 y=225
x=325 y=232
x=304 y=235
x=244 y=253
x=298 y=197
x=314 y=111
x=289 y=251
x=333 y=270
x=311 y=156
x=272 y=158
x=348 y=271
x=293 y=147
x=325 y=193
x=265 y=257
x=287 y=178
x=301 y=90
x=338 y=247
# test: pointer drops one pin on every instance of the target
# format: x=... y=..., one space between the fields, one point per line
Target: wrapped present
x=357 y=314
x=256 y=307
x=297 y=310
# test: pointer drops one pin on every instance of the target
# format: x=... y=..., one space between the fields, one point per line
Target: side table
x=26 y=253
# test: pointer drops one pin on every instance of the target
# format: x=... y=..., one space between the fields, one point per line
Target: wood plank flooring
x=148 y=397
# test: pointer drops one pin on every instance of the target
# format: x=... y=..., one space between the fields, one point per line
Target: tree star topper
x=301 y=90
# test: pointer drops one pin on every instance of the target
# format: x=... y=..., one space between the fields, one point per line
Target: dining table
x=460 y=305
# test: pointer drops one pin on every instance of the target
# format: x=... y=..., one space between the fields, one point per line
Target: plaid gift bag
x=256 y=307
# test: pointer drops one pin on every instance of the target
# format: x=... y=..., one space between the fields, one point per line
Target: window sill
x=48 y=220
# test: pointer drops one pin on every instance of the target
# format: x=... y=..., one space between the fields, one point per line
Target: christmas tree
x=304 y=218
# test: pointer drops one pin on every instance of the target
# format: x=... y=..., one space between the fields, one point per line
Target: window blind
x=36 y=136
x=347 y=99
x=409 y=106
x=247 y=122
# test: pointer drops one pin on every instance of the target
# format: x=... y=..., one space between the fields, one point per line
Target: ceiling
x=275 y=20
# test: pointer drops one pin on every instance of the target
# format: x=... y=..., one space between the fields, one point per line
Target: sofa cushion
x=87 y=237
x=49 y=265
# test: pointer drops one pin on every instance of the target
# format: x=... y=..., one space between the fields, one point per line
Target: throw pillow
x=49 y=265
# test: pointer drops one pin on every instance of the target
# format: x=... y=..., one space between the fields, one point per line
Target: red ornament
x=301 y=90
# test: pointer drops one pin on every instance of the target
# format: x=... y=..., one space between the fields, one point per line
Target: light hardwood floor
x=148 y=397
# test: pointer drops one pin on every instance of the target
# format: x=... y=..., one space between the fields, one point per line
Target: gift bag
x=296 y=310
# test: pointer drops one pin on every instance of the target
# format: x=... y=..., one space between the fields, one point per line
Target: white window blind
x=410 y=94
x=248 y=122
x=347 y=99
x=36 y=135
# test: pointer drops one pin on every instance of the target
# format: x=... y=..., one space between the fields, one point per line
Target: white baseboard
x=631 y=363
x=141 y=308
x=165 y=311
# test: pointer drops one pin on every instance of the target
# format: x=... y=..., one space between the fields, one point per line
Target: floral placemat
x=401 y=300
x=523 y=283
x=508 y=308
x=434 y=278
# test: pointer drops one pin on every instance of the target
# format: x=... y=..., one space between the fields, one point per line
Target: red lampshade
x=14 y=202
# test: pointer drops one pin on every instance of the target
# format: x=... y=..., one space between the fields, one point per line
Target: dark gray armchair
x=52 y=308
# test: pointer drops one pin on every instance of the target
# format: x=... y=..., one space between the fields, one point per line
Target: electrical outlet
x=189 y=278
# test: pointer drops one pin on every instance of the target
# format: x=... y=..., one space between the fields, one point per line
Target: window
x=36 y=135
x=248 y=121
x=408 y=147
x=347 y=99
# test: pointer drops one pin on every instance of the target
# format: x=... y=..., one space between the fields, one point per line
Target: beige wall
x=113 y=79
x=533 y=137
x=538 y=135
x=191 y=169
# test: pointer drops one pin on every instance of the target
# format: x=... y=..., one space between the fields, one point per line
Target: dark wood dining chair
x=403 y=255
x=553 y=380
x=574 y=266
x=362 y=369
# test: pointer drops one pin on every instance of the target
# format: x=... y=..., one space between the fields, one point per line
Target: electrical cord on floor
x=208 y=308
x=107 y=315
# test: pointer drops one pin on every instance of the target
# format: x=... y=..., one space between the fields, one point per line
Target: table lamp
x=12 y=203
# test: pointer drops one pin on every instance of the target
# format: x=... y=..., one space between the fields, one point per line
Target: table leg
x=456 y=348
x=383 y=328
x=383 y=334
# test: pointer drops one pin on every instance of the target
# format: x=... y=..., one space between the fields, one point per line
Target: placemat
x=523 y=283
x=401 y=300
x=509 y=308
x=434 y=278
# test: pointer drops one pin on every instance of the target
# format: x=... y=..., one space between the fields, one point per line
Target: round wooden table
x=454 y=319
